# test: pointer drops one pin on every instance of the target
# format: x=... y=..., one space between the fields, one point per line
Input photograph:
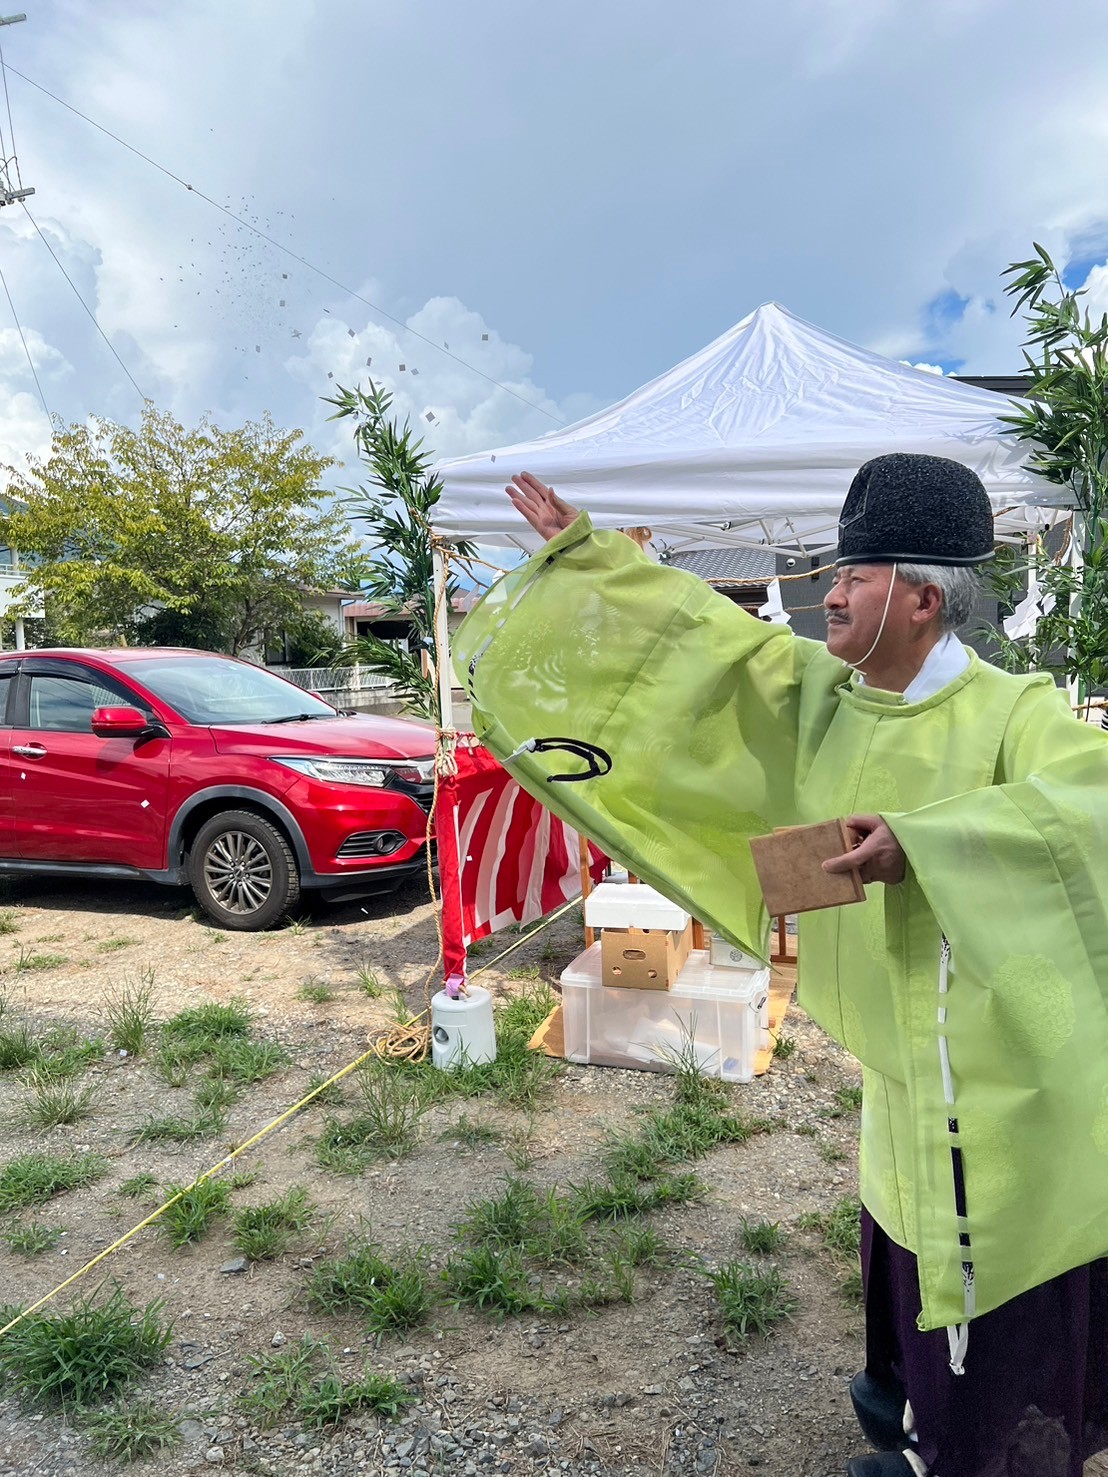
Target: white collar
x=947 y=659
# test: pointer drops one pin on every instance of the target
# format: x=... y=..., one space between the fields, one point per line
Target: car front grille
x=423 y=795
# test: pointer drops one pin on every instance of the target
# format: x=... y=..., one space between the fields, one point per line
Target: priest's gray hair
x=958 y=583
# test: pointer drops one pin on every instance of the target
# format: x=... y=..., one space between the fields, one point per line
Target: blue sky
x=600 y=188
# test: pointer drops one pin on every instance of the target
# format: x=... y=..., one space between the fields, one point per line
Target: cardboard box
x=643 y=958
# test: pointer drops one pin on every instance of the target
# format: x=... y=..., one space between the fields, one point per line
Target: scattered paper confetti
x=415 y=371
x=484 y=338
x=403 y=367
x=281 y=303
x=350 y=333
x=368 y=362
x=429 y=415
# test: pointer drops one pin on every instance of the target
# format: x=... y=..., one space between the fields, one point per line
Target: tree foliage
x=395 y=511
x=168 y=535
x=1065 y=422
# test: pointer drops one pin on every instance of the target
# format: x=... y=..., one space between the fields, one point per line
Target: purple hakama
x=1033 y=1401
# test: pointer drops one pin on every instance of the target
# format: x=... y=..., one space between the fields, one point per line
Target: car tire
x=242 y=871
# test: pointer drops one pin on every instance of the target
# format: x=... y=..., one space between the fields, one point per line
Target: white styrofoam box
x=725 y=1013
x=726 y=955
x=634 y=905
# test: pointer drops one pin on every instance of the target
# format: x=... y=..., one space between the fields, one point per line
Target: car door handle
x=29 y=751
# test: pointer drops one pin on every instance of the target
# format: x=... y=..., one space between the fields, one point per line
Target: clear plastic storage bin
x=723 y=1012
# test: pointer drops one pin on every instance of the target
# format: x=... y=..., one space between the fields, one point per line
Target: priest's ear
x=929 y=604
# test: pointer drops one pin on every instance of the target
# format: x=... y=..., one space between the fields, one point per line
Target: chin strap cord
x=599 y=761
x=881 y=627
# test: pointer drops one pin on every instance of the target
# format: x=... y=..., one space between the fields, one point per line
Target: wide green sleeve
x=1009 y=1065
x=694 y=702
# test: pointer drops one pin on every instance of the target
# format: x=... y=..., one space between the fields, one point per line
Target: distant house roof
x=728 y=566
x=365 y=610
x=1003 y=384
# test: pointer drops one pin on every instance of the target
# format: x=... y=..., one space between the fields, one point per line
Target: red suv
x=183 y=766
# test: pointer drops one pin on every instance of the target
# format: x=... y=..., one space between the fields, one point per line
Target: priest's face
x=855 y=606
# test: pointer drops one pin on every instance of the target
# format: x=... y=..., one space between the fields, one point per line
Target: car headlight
x=339 y=771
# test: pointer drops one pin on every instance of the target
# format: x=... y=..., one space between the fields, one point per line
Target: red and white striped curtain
x=503 y=857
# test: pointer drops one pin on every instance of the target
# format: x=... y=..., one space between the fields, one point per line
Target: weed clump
x=392 y=1296
x=32 y=1179
x=84 y=1356
x=264 y=1232
x=751 y=1300
x=193 y=1213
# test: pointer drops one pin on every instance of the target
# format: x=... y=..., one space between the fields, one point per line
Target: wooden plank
x=790 y=871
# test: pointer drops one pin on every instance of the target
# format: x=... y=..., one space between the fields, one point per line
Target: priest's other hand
x=547 y=514
x=877 y=857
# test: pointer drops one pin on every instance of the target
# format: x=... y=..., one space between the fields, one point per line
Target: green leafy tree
x=1065 y=422
x=168 y=535
x=395 y=512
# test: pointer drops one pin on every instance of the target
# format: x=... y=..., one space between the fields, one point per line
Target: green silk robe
x=985 y=1113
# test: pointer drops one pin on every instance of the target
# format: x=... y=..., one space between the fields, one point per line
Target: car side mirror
x=119 y=723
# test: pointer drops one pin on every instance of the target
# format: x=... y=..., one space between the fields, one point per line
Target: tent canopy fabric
x=753 y=441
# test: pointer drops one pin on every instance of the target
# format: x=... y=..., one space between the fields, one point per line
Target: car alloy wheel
x=243 y=871
x=238 y=872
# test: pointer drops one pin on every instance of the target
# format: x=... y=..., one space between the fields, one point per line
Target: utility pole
x=9 y=193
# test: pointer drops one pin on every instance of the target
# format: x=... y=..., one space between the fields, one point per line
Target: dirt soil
x=645 y=1387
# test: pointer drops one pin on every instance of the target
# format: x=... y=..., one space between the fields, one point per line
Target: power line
x=11 y=125
x=23 y=341
x=80 y=299
x=295 y=256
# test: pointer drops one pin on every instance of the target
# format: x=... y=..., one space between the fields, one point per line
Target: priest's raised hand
x=547 y=514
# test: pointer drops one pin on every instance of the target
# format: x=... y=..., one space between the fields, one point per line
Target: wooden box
x=789 y=867
x=643 y=958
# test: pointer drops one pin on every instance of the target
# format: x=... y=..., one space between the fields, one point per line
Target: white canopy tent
x=752 y=441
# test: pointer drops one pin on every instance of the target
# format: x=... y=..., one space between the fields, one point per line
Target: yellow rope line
x=207 y=1175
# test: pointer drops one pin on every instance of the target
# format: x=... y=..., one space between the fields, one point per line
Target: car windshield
x=217 y=690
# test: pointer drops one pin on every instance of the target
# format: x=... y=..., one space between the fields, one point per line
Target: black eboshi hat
x=912 y=509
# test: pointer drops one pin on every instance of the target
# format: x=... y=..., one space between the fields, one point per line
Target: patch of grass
x=784 y=1047
x=470 y=1133
x=131 y=1429
x=31 y=1179
x=842 y=1228
x=240 y=1179
x=851 y=1286
x=525 y=972
x=131 y=1016
x=174 y=1060
x=849 y=1097
x=65 y=1054
x=10 y=920
x=492 y=1279
x=174 y=1128
x=110 y=946
x=761 y=1237
x=317 y=991
x=330 y=1401
x=33 y=1239
x=558 y=1235
x=194 y=1212
x=18 y=1048
x=369 y=984
x=31 y=962
x=641 y=1246
x=138 y=1186
x=329 y=1094
x=392 y=1296
x=204 y=1026
x=807 y=1130
x=264 y=1232
x=280 y=1380
x=831 y=1153
x=507 y=1220
x=213 y=1095
x=298 y=926
x=50 y=1104
x=241 y=1060
x=84 y=1356
x=621 y=1197
x=386 y=1124
x=751 y=1300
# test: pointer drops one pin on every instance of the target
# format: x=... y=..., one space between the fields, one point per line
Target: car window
x=6 y=690
x=66 y=704
x=215 y=689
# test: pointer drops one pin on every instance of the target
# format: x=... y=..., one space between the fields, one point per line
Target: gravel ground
x=649 y=1386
